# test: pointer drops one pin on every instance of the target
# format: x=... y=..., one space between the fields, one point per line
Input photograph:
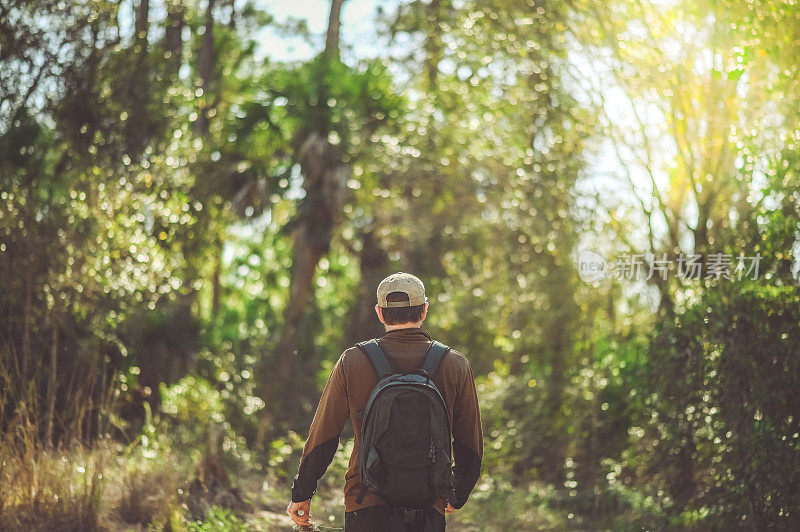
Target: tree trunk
x=205 y=66
x=206 y=58
x=215 y=281
x=142 y=22
x=51 y=386
x=306 y=257
x=374 y=265
x=173 y=40
x=433 y=45
x=325 y=183
x=332 y=36
x=232 y=20
x=139 y=90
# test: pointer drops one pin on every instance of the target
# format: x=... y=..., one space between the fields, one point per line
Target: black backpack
x=405 y=449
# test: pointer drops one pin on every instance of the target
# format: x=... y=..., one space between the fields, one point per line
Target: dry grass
x=71 y=486
x=146 y=498
x=103 y=485
x=81 y=489
x=50 y=490
x=42 y=488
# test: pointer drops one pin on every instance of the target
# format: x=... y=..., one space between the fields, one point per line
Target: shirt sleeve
x=323 y=438
x=467 y=440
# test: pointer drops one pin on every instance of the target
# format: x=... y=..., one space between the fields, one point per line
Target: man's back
x=345 y=396
x=406 y=349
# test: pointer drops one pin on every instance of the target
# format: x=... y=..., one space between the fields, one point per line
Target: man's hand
x=449 y=509
x=299 y=512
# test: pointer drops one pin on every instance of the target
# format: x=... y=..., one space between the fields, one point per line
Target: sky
x=357 y=36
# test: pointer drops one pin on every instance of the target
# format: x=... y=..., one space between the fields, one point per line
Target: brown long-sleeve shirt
x=345 y=396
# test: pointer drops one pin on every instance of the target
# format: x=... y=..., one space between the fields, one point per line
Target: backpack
x=405 y=449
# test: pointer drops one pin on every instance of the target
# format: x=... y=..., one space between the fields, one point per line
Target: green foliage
x=712 y=418
x=189 y=407
x=329 y=95
x=219 y=520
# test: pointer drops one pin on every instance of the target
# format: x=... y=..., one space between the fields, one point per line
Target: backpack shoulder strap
x=378 y=358
x=434 y=357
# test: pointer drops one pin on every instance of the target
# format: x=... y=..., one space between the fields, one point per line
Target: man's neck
x=416 y=325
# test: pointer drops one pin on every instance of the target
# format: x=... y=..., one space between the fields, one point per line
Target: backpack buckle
x=411 y=516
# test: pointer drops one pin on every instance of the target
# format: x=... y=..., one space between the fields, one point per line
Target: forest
x=198 y=199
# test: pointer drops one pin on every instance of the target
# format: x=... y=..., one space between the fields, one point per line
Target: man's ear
x=424 y=312
x=379 y=313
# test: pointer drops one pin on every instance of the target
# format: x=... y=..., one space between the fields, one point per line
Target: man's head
x=401 y=301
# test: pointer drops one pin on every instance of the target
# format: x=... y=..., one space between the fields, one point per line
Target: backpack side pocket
x=375 y=471
x=441 y=472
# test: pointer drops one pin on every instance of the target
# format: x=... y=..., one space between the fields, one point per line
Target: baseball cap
x=402 y=282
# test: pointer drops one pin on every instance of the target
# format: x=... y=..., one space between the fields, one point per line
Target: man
x=402 y=307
